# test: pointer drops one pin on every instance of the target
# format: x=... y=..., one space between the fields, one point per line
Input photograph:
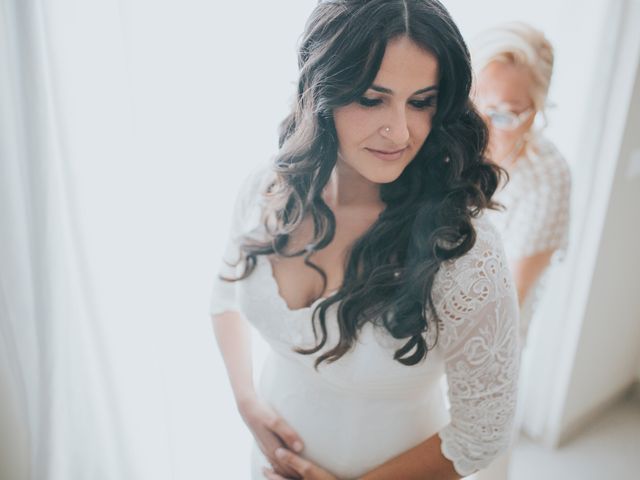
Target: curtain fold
x=60 y=357
x=111 y=209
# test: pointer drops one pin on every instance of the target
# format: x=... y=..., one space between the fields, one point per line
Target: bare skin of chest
x=300 y=285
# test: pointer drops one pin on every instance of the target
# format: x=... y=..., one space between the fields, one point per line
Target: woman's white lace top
x=366 y=408
x=536 y=218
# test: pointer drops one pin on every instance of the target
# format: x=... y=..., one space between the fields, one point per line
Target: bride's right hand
x=271 y=431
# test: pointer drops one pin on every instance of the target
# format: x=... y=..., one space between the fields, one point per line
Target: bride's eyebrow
x=380 y=89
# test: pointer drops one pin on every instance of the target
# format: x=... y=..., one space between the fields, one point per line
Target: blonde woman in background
x=513 y=65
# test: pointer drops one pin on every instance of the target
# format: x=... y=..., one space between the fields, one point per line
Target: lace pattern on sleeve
x=476 y=302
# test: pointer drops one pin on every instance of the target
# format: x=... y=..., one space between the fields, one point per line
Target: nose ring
x=387 y=129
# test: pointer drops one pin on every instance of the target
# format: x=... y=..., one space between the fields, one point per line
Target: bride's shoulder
x=487 y=243
x=484 y=262
x=255 y=182
x=252 y=186
x=487 y=234
x=247 y=206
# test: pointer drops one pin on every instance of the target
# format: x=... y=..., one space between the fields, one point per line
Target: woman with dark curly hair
x=363 y=257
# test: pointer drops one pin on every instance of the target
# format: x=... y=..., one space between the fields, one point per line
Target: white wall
x=606 y=360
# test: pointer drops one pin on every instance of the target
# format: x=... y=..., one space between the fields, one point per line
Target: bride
x=363 y=257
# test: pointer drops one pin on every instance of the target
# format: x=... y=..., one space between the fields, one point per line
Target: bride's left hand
x=308 y=470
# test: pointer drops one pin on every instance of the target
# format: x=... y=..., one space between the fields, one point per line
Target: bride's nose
x=396 y=128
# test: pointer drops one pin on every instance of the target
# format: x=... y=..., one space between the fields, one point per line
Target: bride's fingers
x=279 y=467
x=271 y=475
x=268 y=446
x=282 y=469
x=299 y=464
x=287 y=434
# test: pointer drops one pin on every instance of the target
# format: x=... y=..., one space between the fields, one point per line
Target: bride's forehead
x=407 y=66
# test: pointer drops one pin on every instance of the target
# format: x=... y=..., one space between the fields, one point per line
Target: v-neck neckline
x=276 y=289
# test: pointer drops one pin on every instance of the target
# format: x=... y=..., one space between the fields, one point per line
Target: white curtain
x=61 y=333
x=51 y=329
x=125 y=127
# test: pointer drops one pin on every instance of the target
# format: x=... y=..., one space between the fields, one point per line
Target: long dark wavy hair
x=390 y=269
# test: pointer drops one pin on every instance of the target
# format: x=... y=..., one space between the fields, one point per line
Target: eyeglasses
x=506 y=120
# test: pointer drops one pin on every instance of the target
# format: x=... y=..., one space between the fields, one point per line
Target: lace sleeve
x=477 y=304
x=223 y=294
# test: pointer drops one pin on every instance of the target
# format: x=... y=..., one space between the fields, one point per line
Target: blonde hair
x=520 y=44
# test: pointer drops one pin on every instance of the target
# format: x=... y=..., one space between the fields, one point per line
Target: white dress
x=536 y=219
x=366 y=408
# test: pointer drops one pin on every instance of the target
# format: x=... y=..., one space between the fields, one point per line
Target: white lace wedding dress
x=367 y=408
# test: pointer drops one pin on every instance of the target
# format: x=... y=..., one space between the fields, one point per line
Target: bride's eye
x=426 y=103
x=369 y=102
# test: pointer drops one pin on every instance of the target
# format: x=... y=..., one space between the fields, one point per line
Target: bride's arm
x=234 y=341
x=476 y=301
x=233 y=336
x=231 y=329
x=424 y=461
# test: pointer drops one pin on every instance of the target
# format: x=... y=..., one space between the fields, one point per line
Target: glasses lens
x=503 y=120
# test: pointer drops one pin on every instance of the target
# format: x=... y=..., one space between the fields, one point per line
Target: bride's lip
x=387 y=155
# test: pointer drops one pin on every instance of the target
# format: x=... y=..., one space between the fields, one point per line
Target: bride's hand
x=271 y=432
x=307 y=470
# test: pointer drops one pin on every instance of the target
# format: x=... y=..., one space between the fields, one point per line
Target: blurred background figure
x=513 y=64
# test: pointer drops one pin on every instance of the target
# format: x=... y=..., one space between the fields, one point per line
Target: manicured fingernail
x=280 y=453
x=297 y=446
